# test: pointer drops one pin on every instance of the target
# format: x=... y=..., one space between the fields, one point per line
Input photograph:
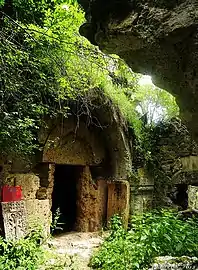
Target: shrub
x=152 y=234
x=22 y=254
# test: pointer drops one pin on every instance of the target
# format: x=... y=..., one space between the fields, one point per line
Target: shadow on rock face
x=157 y=37
x=88 y=30
x=100 y=13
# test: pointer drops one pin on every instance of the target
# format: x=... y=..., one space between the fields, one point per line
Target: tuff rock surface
x=174 y=263
x=156 y=37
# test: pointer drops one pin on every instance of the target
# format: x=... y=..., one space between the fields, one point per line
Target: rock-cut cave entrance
x=64 y=196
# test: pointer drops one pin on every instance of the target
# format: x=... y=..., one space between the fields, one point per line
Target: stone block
x=14 y=219
x=141 y=200
x=42 y=193
x=44 y=214
x=175 y=263
x=91 y=203
x=143 y=178
x=189 y=163
x=29 y=182
x=102 y=202
x=39 y=215
x=193 y=197
x=118 y=200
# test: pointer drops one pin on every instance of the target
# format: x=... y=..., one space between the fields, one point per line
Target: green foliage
x=56 y=225
x=45 y=63
x=153 y=234
x=37 y=75
x=18 y=131
x=42 y=67
x=155 y=103
x=22 y=254
x=27 y=91
x=28 y=11
x=144 y=106
x=2 y=3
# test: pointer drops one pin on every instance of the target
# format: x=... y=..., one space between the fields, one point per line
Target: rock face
x=175 y=152
x=175 y=156
x=94 y=133
x=81 y=173
x=156 y=37
x=174 y=263
x=170 y=177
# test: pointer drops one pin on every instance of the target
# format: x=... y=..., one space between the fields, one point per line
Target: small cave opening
x=64 y=196
x=179 y=196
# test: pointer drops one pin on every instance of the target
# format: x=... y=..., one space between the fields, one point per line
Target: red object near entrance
x=11 y=193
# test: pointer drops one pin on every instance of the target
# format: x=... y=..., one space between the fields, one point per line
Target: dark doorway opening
x=64 y=196
x=179 y=196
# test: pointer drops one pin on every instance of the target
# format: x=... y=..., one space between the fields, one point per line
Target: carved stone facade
x=73 y=174
x=85 y=172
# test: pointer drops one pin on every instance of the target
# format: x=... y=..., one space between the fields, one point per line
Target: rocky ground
x=71 y=251
x=175 y=263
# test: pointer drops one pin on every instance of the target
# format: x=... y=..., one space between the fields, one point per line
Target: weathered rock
x=156 y=37
x=175 y=152
x=91 y=202
x=174 y=166
x=95 y=134
x=118 y=200
x=141 y=189
x=193 y=197
x=29 y=183
x=14 y=219
x=175 y=263
x=42 y=193
x=39 y=216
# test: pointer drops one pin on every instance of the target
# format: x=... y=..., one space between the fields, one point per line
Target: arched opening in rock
x=64 y=196
x=81 y=159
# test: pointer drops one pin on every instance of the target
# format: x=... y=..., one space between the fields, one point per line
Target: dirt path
x=75 y=248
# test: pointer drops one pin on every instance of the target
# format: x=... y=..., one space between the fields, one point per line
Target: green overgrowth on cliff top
x=150 y=235
x=45 y=63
